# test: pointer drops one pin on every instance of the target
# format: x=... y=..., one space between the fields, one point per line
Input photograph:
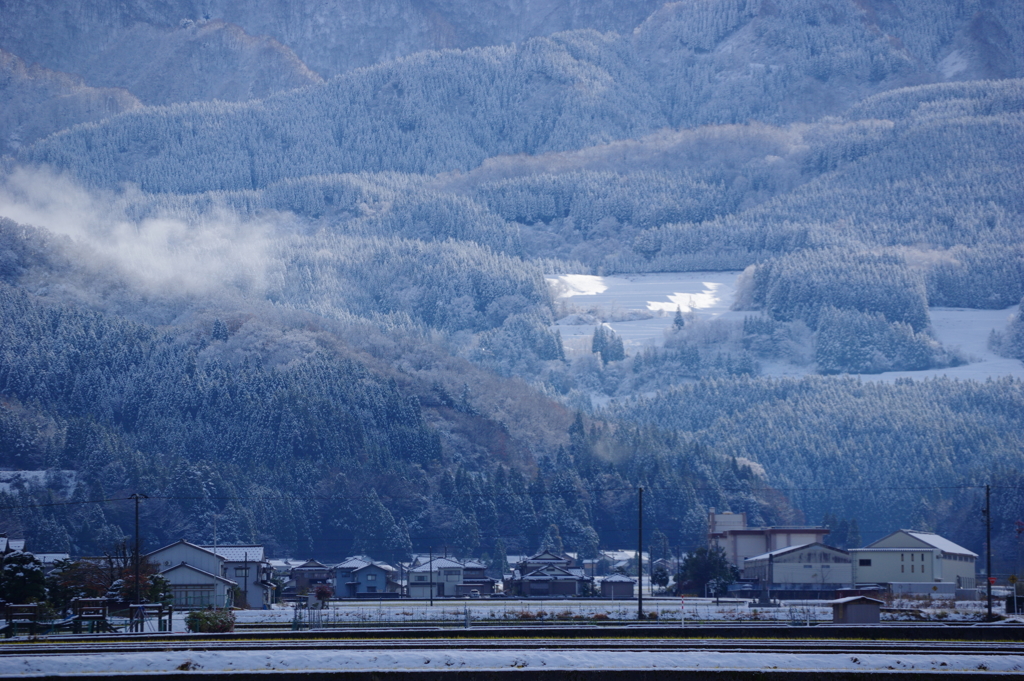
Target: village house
x=194 y=574
x=305 y=578
x=362 y=577
x=440 y=576
x=547 y=574
x=247 y=565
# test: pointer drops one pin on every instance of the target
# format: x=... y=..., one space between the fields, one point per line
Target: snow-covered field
x=486 y=614
x=641 y=308
x=651 y=299
x=510 y=658
x=568 y=612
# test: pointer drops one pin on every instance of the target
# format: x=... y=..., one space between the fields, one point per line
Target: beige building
x=908 y=556
x=811 y=565
x=740 y=542
x=441 y=576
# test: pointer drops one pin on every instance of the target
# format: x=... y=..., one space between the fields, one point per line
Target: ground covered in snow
x=455 y=660
x=640 y=308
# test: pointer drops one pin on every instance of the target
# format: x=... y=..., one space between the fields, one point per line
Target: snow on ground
x=967 y=330
x=458 y=660
x=642 y=307
x=649 y=299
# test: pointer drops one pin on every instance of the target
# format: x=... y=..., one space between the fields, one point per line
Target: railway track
x=501 y=640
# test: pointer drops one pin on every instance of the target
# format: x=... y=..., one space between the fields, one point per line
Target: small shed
x=856 y=610
x=617 y=586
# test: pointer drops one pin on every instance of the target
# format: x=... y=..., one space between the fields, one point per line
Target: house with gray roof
x=363 y=577
x=247 y=565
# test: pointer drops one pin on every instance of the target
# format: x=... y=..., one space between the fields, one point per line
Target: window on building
x=903 y=568
x=371 y=578
x=864 y=562
x=901 y=557
x=241 y=572
x=421 y=578
x=911 y=568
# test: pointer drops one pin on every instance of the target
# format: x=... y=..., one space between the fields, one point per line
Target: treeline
x=321 y=450
x=908 y=454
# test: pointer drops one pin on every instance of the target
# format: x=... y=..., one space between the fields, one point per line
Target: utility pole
x=640 y=555
x=431 y=573
x=138 y=555
x=988 y=547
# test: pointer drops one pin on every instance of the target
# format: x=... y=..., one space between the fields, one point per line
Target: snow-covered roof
x=51 y=558
x=474 y=565
x=851 y=599
x=311 y=564
x=940 y=543
x=16 y=544
x=351 y=564
x=238 y=553
x=779 y=552
x=181 y=541
x=193 y=568
x=439 y=563
x=619 y=578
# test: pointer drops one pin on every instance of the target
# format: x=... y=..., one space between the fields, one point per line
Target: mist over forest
x=289 y=273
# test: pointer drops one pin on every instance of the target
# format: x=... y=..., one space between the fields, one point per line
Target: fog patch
x=194 y=254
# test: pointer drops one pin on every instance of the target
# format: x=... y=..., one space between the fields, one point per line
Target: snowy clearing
x=640 y=308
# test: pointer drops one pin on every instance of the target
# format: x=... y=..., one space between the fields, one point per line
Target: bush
x=210 y=621
x=600 y=616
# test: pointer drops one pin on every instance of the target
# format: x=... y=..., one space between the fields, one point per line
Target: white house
x=195 y=575
x=443 y=575
x=247 y=565
x=909 y=557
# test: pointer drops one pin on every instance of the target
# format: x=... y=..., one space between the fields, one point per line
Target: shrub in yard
x=210 y=621
x=526 y=615
x=564 y=615
x=541 y=614
x=600 y=616
x=652 y=615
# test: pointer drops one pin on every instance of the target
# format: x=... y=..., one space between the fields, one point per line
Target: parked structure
x=618 y=586
x=913 y=558
x=730 y=532
x=856 y=610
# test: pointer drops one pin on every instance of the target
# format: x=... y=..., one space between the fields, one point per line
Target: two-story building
x=915 y=562
x=305 y=578
x=194 y=574
x=247 y=565
x=441 y=576
x=547 y=574
x=730 y=532
x=361 y=577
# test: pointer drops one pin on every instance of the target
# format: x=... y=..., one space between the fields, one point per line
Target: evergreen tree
x=21 y=578
x=678 y=322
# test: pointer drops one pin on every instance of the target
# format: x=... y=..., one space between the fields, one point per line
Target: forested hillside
x=307 y=298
